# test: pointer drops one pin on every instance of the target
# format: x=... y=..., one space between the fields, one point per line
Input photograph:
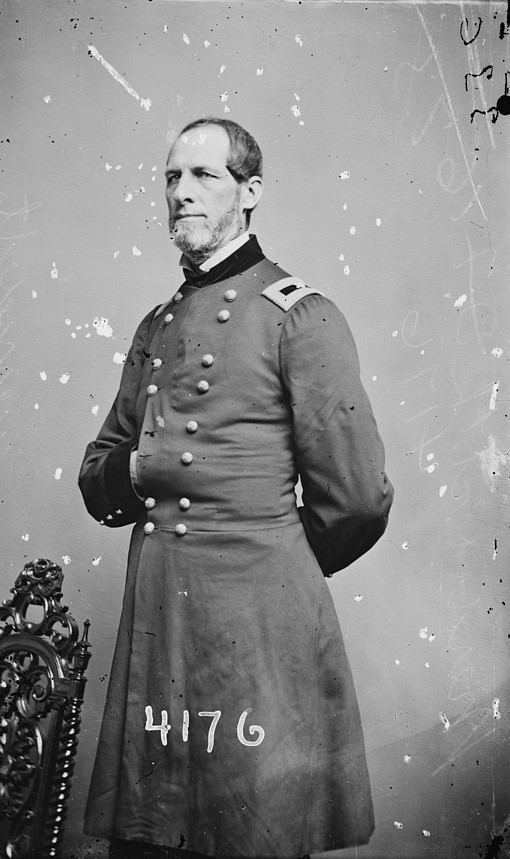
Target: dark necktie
x=242 y=259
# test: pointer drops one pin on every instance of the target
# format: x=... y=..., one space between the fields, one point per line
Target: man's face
x=205 y=202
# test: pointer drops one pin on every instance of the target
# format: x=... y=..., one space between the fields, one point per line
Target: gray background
x=380 y=192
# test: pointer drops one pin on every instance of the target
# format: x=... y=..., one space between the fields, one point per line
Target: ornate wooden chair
x=42 y=681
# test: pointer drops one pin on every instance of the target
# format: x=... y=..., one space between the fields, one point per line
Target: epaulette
x=287 y=291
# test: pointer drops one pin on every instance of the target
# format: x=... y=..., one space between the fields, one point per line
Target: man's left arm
x=340 y=455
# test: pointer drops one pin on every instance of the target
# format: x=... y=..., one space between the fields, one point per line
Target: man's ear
x=252 y=192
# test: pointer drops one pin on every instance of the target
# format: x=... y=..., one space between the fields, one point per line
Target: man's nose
x=183 y=189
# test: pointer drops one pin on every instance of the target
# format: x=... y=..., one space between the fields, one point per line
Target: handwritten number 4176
x=215 y=715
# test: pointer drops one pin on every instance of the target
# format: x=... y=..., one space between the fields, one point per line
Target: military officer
x=231 y=727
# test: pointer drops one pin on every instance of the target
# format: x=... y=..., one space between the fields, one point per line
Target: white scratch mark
x=378 y=222
x=128 y=197
x=25 y=537
x=115 y=255
x=450 y=105
x=432 y=637
x=182 y=593
x=224 y=96
x=36 y=405
x=398 y=825
x=34 y=294
x=427 y=665
x=118 y=167
x=260 y=71
x=492 y=403
x=144 y=102
x=442 y=490
x=426 y=833
x=497 y=352
x=298 y=40
x=206 y=43
x=54 y=272
x=136 y=251
x=96 y=561
x=160 y=421
x=108 y=167
x=64 y=378
x=445 y=720
x=495 y=709
x=58 y=473
x=405 y=545
x=185 y=38
x=424 y=632
x=73 y=335
x=491 y=461
x=295 y=110
x=165 y=28
x=359 y=597
x=397 y=661
x=67 y=321
x=341 y=257
x=43 y=375
x=66 y=559
x=47 y=99
x=343 y=176
x=102 y=327
x=226 y=109
x=352 y=231
x=347 y=270
x=222 y=69
x=374 y=378
x=460 y=301
x=94 y=410
x=394 y=333
x=119 y=357
x=407 y=759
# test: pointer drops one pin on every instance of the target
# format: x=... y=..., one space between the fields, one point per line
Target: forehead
x=206 y=144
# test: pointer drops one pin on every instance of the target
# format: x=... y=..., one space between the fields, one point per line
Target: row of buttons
x=192 y=425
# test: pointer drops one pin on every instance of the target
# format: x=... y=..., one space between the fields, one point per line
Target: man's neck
x=222 y=253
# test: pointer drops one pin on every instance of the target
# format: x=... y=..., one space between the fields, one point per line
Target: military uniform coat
x=231 y=725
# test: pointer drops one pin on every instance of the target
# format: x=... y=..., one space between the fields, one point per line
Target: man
x=231 y=727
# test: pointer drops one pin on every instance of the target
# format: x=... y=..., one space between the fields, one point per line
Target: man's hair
x=245 y=158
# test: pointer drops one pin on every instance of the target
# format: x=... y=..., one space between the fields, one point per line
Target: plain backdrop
x=385 y=190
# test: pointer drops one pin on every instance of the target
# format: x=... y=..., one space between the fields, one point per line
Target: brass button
x=150 y=503
x=178 y=297
x=186 y=458
x=168 y=318
x=149 y=527
x=223 y=316
x=192 y=426
x=230 y=295
x=184 y=503
x=152 y=389
x=208 y=360
x=180 y=529
x=203 y=386
x=156 y=363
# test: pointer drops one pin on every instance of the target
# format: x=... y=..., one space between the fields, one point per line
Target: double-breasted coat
x=231 y=726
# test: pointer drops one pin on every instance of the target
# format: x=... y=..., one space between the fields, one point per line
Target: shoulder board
x=287 y=291
x=161 y=308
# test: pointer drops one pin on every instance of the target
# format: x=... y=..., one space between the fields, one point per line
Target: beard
x=198 y=239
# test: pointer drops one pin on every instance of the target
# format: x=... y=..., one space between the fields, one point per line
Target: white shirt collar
x=222 y=253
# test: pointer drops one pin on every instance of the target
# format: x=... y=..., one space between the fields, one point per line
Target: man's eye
x=171 y=179
x=202 y=174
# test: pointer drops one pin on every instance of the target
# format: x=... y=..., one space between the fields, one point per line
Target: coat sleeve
x=105 y=479
x=339 y=453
